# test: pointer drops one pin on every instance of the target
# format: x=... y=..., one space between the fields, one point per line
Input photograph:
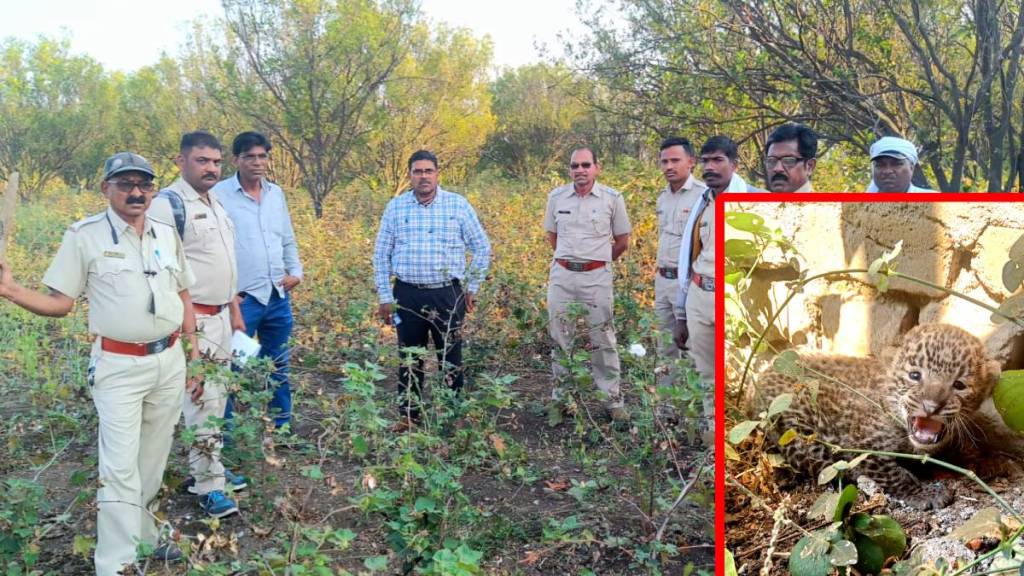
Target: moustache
x=210 y=176
x=708 y=173
x=135 y=200
x=781 y=177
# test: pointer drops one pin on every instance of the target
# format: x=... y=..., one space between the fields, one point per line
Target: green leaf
x=843 y=553
x=425 y=504
x=1012 y=307
x=740 y=249
x=788 y=363
x=747 y=222
x=780 y=404
x=845 y=503
x=312 y=472
x=83 y=546
x=810 y=556
x=825 y=506
x=787 y=437
x=827 y=474
x=1013 y=275
x=376 y=563
x=870 y=557
x=882 y=284
x=1008 y=398
x=359 y=446
x=740 y=431
x=882 y=532
x=1017 y=250
x=554 y=414
x=734 y=278
x=730 y=563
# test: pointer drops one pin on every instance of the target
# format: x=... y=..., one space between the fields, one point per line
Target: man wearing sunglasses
x=792 y=155
x=132 y=269
x=588 y=228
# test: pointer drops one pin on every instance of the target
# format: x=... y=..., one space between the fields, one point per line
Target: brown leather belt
x=138 y=349
x=208 y=309
x=580 y=266
x=705 y=283
x=669 y=273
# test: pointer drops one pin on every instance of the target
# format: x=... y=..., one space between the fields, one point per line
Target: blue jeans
x=272 y=325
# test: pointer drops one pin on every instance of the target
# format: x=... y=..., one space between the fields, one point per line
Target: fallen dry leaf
x=531 y=558
x=499 y=444
x=556 y=485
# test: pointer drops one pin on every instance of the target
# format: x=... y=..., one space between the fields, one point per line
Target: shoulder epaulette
x=87 y=220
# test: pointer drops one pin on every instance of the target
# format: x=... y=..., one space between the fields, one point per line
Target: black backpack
x=177 y=209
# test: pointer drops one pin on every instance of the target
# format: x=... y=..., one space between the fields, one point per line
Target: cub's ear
x=995 y=369
x=888 y=354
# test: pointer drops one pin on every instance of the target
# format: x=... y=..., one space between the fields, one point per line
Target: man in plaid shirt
x=423 y=238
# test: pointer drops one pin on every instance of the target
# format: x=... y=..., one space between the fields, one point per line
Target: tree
x=57 y=114
x=438 y=98
x=310 y=73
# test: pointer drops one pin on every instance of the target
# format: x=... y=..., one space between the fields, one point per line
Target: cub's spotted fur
x=923 y=398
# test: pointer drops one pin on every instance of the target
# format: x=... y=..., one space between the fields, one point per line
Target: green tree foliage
x=944 y=74
x=310 y=73
x=439 y=99
x=56 y=114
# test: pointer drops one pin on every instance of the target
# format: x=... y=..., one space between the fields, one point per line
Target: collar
x=687 y=186
x=597 y=190
x=118 y=226
x=807 y=187
x=186 y=189
x=411 y=196
x=265 y=185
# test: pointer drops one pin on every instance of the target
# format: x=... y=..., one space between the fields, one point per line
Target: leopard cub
x=921 y=398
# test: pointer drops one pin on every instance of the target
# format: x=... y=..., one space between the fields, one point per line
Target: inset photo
x=874 y=391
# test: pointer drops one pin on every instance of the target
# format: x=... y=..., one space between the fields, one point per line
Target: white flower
x=637 y=349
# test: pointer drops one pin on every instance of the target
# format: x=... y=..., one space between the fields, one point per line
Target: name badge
x=111 y=254
x=564 y=212
x=199 y=216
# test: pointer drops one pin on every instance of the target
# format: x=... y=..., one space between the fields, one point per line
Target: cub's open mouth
x=924 y=430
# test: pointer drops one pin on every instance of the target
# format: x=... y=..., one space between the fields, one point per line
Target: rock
x=944 y=548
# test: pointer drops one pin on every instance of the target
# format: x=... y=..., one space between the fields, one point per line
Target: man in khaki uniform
x=208 y=237
x=133 y=271
x=681 y=192
x=588 y=228
x=695 y=300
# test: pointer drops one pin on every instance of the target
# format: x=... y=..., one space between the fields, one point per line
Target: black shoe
x=167 y=552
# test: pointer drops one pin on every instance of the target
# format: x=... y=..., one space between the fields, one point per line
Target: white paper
x=243 y=347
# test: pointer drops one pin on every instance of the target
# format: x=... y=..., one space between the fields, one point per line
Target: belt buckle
x=670 y=274
x=157 y=346
x=708 y=284
x=576 y=266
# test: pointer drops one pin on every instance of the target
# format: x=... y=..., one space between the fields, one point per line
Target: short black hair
x=593 y=153
x=199 y=139
x=722 y=144
x=677 y=141
x=422 y=155
x=247 y=141
x=806 y=139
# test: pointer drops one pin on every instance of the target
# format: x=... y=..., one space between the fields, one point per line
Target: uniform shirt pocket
x=112 y=274
x=206 y=233
x=601 y=223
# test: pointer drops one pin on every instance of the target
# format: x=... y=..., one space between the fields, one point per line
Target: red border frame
x=802 y=197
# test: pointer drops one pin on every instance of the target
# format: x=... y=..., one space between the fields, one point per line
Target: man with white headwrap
x=892 y=166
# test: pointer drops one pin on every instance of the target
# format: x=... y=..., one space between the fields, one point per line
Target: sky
x=128 y=34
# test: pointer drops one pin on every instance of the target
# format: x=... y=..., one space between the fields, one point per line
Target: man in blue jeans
x=268 y=260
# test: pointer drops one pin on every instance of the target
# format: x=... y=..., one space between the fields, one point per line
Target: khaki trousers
x=665 y=291
x=138 y=400
x=593 y=290
x=204 y=455
x=700 y=322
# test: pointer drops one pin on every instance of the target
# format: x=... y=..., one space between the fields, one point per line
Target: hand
x=384 y=312
x=289 y=282
x=470 y=304
x=6 y=280
x=680 y=334
x=235 y=314
x=194 y=387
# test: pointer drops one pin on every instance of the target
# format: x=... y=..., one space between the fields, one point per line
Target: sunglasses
x=127 y=186
x=583 y=165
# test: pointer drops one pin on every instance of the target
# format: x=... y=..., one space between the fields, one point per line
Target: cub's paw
x=934 y=496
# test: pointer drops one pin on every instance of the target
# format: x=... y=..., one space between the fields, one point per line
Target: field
x=485 y=486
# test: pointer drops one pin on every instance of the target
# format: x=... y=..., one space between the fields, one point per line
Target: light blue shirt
x=427 y=244
x=265 y=247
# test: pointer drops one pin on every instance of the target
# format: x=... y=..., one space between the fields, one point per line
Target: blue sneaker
x=217 y=505
x=235 y=481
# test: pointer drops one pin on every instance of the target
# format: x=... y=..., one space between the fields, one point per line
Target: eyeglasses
x=787 y=161
x=252 y=157
x=423 y=172
x=583 y=165
x=127 y=186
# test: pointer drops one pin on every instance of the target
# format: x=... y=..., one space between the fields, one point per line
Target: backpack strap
x=177 y=209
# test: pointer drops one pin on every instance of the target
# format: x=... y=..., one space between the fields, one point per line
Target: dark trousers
x=272 y=324
x=436 y=314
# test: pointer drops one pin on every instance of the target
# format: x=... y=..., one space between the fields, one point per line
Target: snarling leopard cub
x=921 y=398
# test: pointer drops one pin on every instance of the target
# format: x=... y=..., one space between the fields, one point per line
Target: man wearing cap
x=133 y=272
x=892 y=166
x=423 y=238
x=208 y=237
x=267 y=257
x=676 y=160
x=588 y=228
x=695 y=299
x=789 y=163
